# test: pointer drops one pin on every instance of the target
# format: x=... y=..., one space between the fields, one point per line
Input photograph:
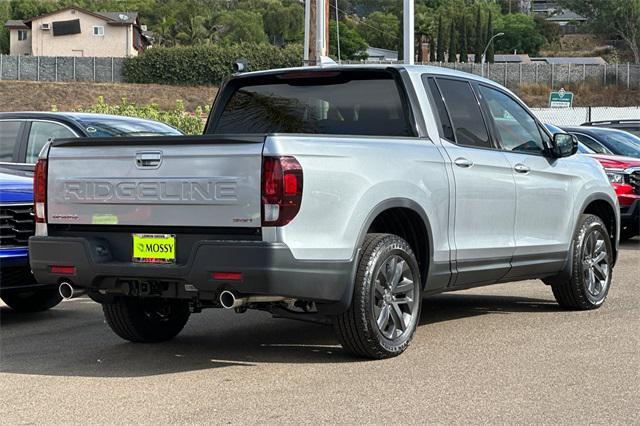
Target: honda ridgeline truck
x=334 y=194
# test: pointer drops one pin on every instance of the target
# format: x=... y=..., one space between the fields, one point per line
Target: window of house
x=98 y=30
x=22 y=35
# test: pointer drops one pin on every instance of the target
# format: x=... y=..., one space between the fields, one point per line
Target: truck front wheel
x=146 y=320
x=387 y=296
x=589 y=283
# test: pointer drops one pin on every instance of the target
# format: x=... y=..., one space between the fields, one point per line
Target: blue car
x=22 y=136
x=19 y=289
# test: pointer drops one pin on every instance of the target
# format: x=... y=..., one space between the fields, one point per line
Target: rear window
x=335 y=102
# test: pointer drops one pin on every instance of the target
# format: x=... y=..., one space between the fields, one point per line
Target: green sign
x=561 y=99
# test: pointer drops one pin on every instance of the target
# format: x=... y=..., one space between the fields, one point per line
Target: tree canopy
x=618 y=18
x=375 y=23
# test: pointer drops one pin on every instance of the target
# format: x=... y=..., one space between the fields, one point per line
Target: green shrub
x=189 y=123
x=205 y=64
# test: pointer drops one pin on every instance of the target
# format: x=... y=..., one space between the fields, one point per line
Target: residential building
x=74 y=31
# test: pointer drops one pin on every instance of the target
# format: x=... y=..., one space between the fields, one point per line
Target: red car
x=624 y=174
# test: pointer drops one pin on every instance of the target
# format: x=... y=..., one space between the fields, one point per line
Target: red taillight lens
x=227 y=276
x=40 y=191
x=63 y=270
x=281 y=190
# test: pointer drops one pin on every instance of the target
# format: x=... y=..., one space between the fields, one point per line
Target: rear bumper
x=267 y=269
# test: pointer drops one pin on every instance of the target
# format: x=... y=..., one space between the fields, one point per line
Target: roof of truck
x=418 y=69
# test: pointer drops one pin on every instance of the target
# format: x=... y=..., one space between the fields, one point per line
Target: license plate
x=154 y=248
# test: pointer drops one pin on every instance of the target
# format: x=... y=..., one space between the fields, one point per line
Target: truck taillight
x=281 y=190
x=40 y=191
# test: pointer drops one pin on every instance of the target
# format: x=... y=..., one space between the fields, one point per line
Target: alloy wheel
x=394 y=303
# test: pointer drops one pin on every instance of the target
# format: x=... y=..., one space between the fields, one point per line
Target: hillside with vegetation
x=451 y=26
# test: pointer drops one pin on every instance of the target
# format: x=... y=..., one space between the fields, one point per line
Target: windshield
x=621 y=143
x=333 y=102
x=113 y=127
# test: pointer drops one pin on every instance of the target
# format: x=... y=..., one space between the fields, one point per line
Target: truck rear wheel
x=589 y=283
x=32 y=300
x=387 y=296
x=146 y=320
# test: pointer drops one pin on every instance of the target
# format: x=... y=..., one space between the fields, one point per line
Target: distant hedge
x=205 y=64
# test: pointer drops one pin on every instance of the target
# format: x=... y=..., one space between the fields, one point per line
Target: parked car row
x=618 y=152
x=22 y=136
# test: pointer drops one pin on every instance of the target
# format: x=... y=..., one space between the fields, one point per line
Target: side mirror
x=563 y=145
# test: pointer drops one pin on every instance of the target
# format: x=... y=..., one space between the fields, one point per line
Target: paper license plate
x=154 y=248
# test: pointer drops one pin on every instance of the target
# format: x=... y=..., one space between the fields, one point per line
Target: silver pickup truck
x=337 y=194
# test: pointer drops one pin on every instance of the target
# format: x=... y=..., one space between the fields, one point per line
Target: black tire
x=147 y=320
x=32 y=300
x=574 y=293
x=357 y=328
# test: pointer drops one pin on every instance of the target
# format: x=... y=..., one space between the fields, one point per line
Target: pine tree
x=463 y=40
x=452 y=42
x=432 y=50
x=478 y=41
x=440 y=50
x=490 y=51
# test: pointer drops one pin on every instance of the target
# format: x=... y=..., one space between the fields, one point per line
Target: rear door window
x=445 y=122
x=465 y=113
x=341 y=102
x=9 y=133
x=41 y=132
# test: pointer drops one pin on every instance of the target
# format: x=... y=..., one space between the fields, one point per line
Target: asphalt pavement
x=499 y=354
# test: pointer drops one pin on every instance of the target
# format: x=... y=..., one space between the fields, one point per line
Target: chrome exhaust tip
x=68 y=291
x=228 y=300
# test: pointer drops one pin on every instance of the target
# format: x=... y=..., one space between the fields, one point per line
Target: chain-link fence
x=577 y=116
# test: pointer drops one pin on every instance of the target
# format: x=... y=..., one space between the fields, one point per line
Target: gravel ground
x=499 y=354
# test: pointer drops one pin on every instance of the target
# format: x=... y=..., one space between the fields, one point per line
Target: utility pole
x=316 y=31
x=408 y=39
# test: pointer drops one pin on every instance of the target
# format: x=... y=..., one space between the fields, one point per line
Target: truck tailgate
x=203 y=181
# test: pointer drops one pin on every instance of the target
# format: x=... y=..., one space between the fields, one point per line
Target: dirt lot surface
x=501 y=354
x=39 y=96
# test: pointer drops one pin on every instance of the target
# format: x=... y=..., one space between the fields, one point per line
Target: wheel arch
x=415 y=219
x=600 y=205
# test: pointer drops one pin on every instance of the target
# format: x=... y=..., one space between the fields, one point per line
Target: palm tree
x=164 y=32
x=194 y=31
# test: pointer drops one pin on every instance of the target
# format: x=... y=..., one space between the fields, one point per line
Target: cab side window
x=466 y=116
x=41 y=132
x=9 y=132
x=516 y=128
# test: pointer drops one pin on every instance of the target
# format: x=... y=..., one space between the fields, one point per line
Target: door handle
x=521 y=168
x=148 y=160
x=463 y=162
